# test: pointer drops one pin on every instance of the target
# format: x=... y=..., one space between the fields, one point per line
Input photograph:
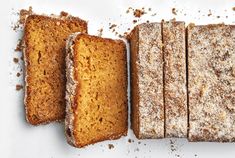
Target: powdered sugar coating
x=211 y=68
x=150 y=81
x=71 y=85
x=175 y=93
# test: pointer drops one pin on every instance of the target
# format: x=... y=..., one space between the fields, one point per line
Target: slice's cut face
x=44 y=53
x=99 y=107
x=211 y=82
x=175 y=94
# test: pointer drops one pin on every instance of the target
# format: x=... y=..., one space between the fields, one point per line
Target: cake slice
x=211 y=82
x=175 y=93
x=96 y=89
x=147 y=114
x=44 y=56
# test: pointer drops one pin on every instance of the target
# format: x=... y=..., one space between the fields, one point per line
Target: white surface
x=18 y=139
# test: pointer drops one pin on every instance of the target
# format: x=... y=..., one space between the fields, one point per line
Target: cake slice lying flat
x=175 y=93
x=211 y=82
x=147 y=81
x=96 y=89
x=44 y=55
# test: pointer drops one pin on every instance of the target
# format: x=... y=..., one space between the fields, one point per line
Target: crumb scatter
x=139 y=12
x=100 y=32
x=174 y=11
x=19 y=87
x=111 y=146
x=16 y=60
x=210 y=13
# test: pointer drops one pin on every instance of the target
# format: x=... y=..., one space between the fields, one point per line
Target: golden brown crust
x=80 y=139
x=44 y=76
x=134 y=81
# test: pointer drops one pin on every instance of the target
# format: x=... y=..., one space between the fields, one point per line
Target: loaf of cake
x=211 y=82
x=44 y=56
x=96 y=89
x=175 y=94
x=147 y=114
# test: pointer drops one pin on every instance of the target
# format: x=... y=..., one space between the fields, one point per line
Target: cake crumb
x=112 y=26
x=18 y=74
x=131 y=140
x=100 y=32
x=218 y=17
x=174 y=11
x=24 y=14
x=111 y=146
x=154 y=14
x=172 y=146
x=19 y=87
x=16 y=60
x=139 y=12
x=63 y=14
x=233 y=8
x=136 y=149
x=19 y=46
x=209 y=13
x=129 y=9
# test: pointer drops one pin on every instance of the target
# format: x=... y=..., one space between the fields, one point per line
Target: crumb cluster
x=111 y=146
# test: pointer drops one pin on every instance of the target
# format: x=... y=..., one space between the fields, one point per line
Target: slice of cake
x=147 y=114
x=44 y=55
x=175 y=93
x=96 y=89
x=211 y=82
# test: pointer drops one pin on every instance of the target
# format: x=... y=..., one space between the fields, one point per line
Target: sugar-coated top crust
x=150 y=81
x=71 y=85
x=211 y=74
x=176 y=114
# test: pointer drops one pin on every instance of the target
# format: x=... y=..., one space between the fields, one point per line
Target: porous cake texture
x=96 y=89
x=44 y=56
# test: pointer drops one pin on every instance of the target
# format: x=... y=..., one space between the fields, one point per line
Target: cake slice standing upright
x=147 y=114
x=175 y=94
x=96 y=89
x=211 y=82
x=44 y=57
